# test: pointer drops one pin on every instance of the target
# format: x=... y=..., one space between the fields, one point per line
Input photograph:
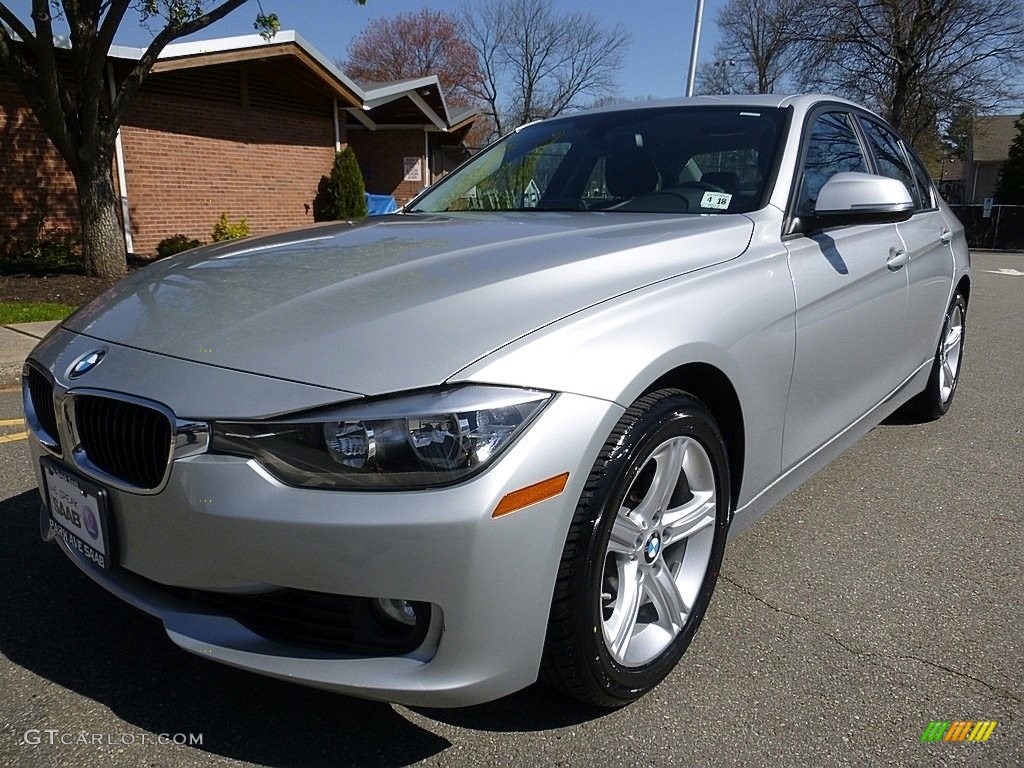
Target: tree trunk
x=102 y=236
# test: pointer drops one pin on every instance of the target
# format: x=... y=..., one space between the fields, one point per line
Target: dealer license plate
x=78 y=513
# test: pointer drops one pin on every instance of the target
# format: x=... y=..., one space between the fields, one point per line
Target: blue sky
x=656 y=65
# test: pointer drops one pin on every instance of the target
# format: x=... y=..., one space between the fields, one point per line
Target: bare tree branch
x=131 y=84
x=485 y=27
x=917 y=61
x=13 y=59
x=538 y=63
x=758 y=44
x=115 y=12
x=16 y=25
x=52 y=99
x=66 y=92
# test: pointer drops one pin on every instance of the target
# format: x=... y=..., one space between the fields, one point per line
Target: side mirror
x=859 y=198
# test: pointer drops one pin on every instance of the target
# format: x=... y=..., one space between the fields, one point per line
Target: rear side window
x=832 y=148
x=891 y=160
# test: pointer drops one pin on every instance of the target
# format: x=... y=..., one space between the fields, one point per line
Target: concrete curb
x=10 y=375
x=16 y=341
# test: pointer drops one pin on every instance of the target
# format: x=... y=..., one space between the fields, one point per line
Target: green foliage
x=39 y=256
x=178 y=243
x=1010 y=185
x=957 y=139
x=226 y=230
x=267 y=25
x=32 y=312
x=342 y=194
x=175 y=12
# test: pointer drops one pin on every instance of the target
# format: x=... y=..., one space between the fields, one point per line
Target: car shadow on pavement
x=62 y=627
x=903 y=417
x=534 y=709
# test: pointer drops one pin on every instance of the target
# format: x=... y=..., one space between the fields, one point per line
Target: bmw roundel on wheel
x=504 y=434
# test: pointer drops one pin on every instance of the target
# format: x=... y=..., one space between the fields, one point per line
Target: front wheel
x=643 y=553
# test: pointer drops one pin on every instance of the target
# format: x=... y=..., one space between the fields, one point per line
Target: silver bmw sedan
x=504 y=434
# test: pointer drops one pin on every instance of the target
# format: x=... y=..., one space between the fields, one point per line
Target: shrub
x=39 y=255
x=342 y=194
x=176 y=244
x=226 y=230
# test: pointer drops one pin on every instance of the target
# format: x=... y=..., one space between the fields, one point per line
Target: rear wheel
x=643 y=553
x=935 y=400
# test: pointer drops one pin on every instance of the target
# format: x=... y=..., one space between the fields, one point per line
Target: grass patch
x=31 y=312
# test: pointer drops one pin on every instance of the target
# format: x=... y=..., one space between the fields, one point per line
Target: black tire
x=577 y=660
x=935 y=400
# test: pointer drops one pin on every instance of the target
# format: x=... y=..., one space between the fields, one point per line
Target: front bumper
x=223 y=524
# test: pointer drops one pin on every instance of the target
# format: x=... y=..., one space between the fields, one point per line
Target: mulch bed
x=60 y=288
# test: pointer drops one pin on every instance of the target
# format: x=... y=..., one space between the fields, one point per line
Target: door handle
x=946 y=236
x=897 y=258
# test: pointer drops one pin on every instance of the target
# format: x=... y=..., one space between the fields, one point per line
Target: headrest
x=632 y=173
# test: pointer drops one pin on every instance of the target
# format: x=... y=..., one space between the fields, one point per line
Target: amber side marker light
x=531 y=494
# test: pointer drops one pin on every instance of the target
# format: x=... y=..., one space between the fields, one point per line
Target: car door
x=851 y=306
x=926 y=237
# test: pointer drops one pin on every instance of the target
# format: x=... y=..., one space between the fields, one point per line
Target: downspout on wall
x=428 y=178
x=337 y=129
x=122 y=182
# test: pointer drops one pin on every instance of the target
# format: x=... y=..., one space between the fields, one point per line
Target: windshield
x=705 y=160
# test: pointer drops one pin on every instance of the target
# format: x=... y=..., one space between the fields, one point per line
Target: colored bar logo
x=959 y=730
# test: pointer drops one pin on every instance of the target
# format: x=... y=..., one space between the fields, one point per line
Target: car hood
x=398 y=302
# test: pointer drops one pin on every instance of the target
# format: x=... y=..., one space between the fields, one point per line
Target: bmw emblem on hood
x=86 y=363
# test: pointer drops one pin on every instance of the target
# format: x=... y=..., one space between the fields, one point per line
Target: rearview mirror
x=859 y=198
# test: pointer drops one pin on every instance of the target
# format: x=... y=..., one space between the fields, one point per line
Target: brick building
x=237 y=125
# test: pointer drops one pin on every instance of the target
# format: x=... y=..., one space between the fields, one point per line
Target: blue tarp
x=378 y=205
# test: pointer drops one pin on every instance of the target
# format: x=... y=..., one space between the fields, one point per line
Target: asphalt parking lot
x=883 y=595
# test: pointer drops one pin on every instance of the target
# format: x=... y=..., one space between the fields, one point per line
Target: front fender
x=736 y=316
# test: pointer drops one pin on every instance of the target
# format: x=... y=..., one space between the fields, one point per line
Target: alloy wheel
x=949 y=353
x=658 y=552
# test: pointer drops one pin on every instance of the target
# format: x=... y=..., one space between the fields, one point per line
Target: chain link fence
x=1002 y=229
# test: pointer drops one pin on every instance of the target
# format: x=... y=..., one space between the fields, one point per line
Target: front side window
x=832 y=148
x=924 y=183
x=697 y=160
x=890 y=158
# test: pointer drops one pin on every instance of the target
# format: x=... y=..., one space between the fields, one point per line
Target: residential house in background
x=951 y=179
x=990 y=147
x=238 y=125
x=418 y=124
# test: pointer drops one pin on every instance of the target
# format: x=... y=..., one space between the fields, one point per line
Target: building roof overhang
x=414 y=103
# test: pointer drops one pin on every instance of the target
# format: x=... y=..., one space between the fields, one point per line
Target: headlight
x=415 y=441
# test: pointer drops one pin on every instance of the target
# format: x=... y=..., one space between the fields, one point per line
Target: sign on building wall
x=413 y=169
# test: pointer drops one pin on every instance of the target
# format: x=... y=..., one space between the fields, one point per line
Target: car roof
x=762 y=100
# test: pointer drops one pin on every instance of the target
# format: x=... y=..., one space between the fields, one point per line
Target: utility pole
x=693 y=48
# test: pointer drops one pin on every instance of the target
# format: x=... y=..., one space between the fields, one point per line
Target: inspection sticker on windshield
x=717 y=200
